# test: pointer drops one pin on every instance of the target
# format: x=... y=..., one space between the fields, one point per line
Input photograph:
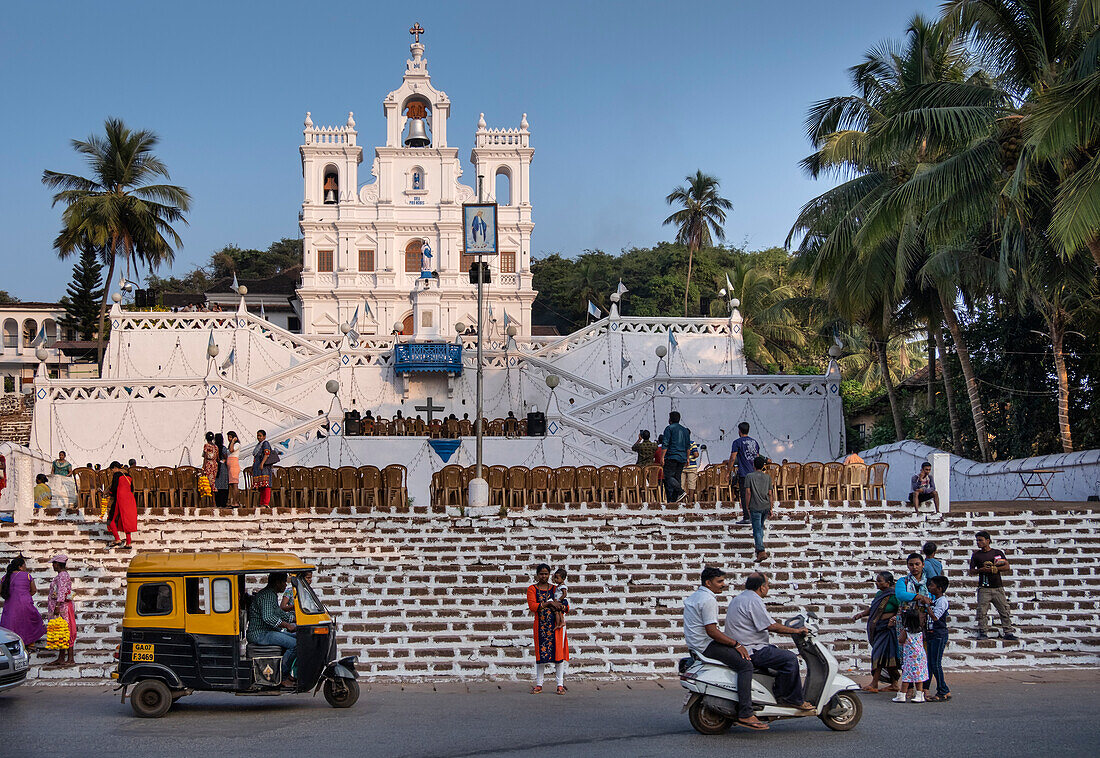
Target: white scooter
x=711 y=703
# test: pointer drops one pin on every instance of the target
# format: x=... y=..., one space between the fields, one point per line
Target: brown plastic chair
x=878 y=480
x=383 y=428
x=723 y=484
x=165 y=491
x=775 y=471
x=370 y=485
x=395 y=480
x=564 y=484
x=347 y=483
x=497 y=477
x=517 y=485
x=435 y=429
x=831 y=485
x=324 y=486
x=630 y=484
x=452 y=487
x=791 y=484
x=813 y=477
x=653 y=476
x=586 y=483
x=609 y=484
x=465 y=428
x=280 y=485
x=539 y=483
x=247 y=495
x=854 y=481
x=300 y=484
x=86 y=494
x=496 y=427
x=187 y=485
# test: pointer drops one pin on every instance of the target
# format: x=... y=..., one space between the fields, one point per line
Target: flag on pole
x=729 y=286
x=672 y=339
x=262 y=314
x=593 y=311
x=625 y=362
x=353 y=334
x=507 y=318
x=229 y=359
x=41 y=338
x=236 y=286
x=491 y=316
x=210 y=343
x=622 y=290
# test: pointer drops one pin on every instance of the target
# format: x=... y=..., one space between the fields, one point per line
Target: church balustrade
x=413 y=357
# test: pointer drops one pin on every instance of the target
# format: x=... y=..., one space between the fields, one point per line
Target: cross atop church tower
x=416 y=31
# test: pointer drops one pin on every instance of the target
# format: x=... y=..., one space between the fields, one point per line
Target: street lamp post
x=479 y=488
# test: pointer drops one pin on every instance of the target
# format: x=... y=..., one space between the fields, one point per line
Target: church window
x=324 y=260
x=507 y=263
x=366 y=260
x=412 y=256
x=468 y=261
x=332 y=187
x=503 y=186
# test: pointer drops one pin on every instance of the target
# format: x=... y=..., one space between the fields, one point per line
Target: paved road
x=1002 y=717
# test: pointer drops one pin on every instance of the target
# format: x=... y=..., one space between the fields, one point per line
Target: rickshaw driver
x=269 y=624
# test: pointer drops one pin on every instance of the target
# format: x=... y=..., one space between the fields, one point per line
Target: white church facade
x=368 y=245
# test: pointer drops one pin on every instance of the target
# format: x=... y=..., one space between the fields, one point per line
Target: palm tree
x=862 y=239
x=772 y=333
x=700 y=217
x=117 y=210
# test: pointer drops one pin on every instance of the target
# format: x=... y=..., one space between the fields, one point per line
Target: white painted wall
x=1000 y=480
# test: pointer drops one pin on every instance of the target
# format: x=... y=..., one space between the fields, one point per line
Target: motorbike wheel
x=342 y=695
x=706 y=721
x=151 y=699
x=843 y=712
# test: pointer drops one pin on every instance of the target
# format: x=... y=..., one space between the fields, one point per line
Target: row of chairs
x=511 y=486
x=828 y=481
x=438 y=428
x=291 y=486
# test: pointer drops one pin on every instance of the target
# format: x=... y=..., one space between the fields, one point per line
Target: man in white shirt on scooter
x=748 y=620
x=703 y=637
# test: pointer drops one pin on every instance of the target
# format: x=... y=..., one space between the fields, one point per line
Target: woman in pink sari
x=19 y=615
x=61 y=604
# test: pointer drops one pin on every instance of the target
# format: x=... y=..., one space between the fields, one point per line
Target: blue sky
x=624 y=99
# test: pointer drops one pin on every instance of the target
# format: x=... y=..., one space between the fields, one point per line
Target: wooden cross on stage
x=416 y=31
x=429 y=408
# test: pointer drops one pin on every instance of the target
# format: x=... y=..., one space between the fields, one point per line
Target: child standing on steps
x=561 y=592
x=914 y=666
x=937 y=637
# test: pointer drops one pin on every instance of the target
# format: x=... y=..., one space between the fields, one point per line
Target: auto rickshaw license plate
x=142 y=652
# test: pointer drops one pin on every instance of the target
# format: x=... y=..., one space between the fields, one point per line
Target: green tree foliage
x=699 y=219
x=118 y=209
x=6 y=298
x=83 y=295
x=231 y=259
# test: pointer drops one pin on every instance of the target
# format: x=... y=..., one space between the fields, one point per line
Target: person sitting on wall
x=923 y=488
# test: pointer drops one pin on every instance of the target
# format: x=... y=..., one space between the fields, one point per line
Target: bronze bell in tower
x=418 y=129
x=331 y=188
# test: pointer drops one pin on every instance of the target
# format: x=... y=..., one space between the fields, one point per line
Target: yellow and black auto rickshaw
x=185 y=627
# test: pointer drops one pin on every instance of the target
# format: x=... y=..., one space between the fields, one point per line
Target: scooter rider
x=748 y=620
x=703 y=637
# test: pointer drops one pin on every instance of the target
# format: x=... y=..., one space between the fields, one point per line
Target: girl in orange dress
x=551 y=645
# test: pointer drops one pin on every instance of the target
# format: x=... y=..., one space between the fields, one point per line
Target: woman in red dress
x=551 y=645
x=123 y=515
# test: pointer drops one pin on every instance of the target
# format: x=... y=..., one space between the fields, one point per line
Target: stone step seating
x=426 y=595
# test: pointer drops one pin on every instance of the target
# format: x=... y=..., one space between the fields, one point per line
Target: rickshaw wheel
x=151 y=699
x=341 y=696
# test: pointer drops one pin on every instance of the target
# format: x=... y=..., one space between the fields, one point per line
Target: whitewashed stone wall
x=1079 y=478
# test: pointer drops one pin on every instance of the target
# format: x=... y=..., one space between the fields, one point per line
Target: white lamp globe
x=834 y=352
x=661 y=351
x=735 y=302
x=615 y=297
x=512 y=330
x=117 y=297
x=345 y=327
x=460 y=326
x=41 y=353
x=332 y=386
x=552 y=380
x=212 y=351
x=242 y=290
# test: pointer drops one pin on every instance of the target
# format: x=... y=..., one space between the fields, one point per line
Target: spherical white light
x=117 y=297
x=552 y=380
x=397 y=328
x=460 y=327
x=512 y=330
x=735 y=302
x=615 y=297
x=212 y=351
x=834 y=352
x=332 y=386
x=661 y=351
x=345 y=327
x=41 y=353
x=242 y=290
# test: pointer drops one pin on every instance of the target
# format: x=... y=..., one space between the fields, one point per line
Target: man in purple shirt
x=743 y=454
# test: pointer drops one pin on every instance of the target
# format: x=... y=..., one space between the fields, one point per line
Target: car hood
x=6 y=635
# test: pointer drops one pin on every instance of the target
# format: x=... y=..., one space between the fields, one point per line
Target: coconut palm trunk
x=948 y=387
x=1057 y=325
x=891 y=394
x=99 y=334
x=931 y=382
x=968 y=374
